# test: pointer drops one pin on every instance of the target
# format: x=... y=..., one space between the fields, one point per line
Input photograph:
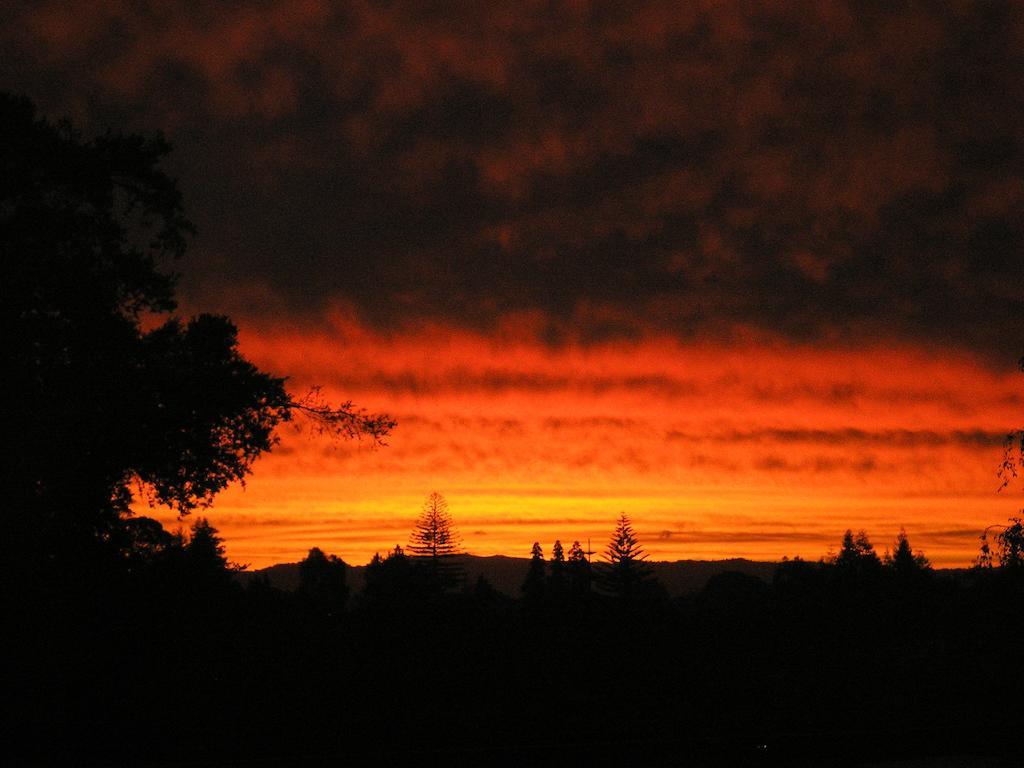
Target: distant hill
x=506 y=574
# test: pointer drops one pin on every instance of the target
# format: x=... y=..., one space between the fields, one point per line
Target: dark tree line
x=853 y=657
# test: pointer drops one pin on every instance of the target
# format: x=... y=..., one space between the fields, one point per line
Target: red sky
x=757 y=449
x=749 y=271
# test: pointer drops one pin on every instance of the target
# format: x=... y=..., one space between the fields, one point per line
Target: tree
x=534 y=585
x=557 y=578
x=392 y=580
x=1009 y=550
x=578 y=568
x=557 y=557
x=435 y=543
x=624 y=574
x=103 y=403
x=903 y=560
x=205 y=564
x=856 y=554
x=322 y=581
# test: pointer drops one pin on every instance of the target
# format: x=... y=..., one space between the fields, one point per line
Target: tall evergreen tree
x=205 y=564
x=903 y=559
x=434 y=543
x=557 y=578
x=857 y=554
x=624 y=574
x=205 y=547
x=579 y=571
x=534 y=585
x=557 y=555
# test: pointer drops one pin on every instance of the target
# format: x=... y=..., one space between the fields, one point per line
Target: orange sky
x=752 y=449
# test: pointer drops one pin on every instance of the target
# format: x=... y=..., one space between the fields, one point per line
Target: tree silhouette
x=206 y=566
x=856 y=554
x=434 y=543
x=903 y=559
x=624 y=574
x=557 y=579
x=322 y=581
x=100 y=402
x=534 y=585
x=557 y=557
x=392 y=580
x=578 y=568
x=1009 y=550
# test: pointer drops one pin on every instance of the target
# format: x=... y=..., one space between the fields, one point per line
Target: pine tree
x=205 y=546
x=205 y=564
x=533 y=586
x=857 y=555
x=557 y=579
x=557 y=557
x=578 y=568
x=624 y=574
x=904 y=560
x=434 y=543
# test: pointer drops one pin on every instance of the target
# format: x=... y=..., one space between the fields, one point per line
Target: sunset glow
x=757 y=449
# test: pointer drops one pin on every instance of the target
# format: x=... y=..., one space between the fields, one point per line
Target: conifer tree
x=557 y=556
x=557 y=565
x=578 y=568
x=903 y=559
x=624 y=574
x=533 y=585
x=206 y=566
x=205 y=547
x=434 y=543
x=856 y=553
x=557 y=578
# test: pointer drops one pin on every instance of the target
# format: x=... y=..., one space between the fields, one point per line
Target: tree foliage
x=624 y=574
x=535 y=583
x=392 y=580
x=322 y=581
x=578 y=569
x=105 y=396
x=1009 y=546
x=434 y=542
x=904 y=560
x=856 y=554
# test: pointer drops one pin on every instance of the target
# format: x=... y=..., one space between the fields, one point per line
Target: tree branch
x=344 y=420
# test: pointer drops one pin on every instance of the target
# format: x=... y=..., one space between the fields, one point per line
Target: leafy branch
x=344 y=420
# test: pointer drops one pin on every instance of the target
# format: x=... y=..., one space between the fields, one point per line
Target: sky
x=747 y=271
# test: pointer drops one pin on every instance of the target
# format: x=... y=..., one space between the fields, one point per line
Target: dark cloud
x=746 y=537
x=895 y=438
x=827 y=171
x=861 y=465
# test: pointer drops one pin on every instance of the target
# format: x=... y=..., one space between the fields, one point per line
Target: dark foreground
x=823 y=666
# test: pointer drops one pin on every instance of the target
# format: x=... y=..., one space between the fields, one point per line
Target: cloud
x=825 y=172
x=896 y=438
